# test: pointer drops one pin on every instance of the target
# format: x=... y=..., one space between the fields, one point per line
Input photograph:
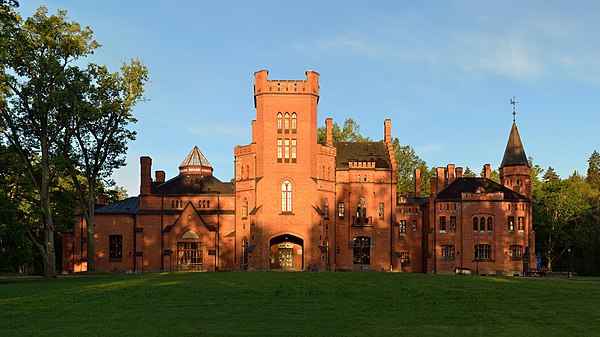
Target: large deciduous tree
x=37 y=102
x=101 y=133
x=407 y=161
x=349 y=132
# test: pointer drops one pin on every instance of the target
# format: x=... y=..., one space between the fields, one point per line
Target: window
x=453 y=223
x=362 y=250
x=521 y=223
x=293 y=150
x=279 y=122
x=447 y=252
x=279 y=151
x=483 y=252
x=293 y=122
x=189 y=256
x=172 y=203
x=414 y=225
x=286 y=123
x=482 y=224
x=207 y=203
x=115 y=247
x=489 y=224
x=326 y=209
x=516 y=252
x=442 y=224
x=286 y=150
x=381 y=210
x=511 y=223
x=341 y=210
x=402 y=228
x=361 y=211
x=245 y=251
x=286 y=197
x=475 y=222
x=404 y=259
x=247 y=171
x=245 y=209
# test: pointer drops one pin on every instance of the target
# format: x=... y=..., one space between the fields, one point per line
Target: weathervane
x=514 y=105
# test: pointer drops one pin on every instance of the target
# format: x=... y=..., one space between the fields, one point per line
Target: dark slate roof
x=514 y=153
x=470 y=185
x=126 y=206
x=192 y=184
x=362 y=152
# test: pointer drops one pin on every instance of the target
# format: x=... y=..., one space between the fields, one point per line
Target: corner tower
x=515 y=172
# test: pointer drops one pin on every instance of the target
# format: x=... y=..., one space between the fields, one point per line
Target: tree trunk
x=91 y=242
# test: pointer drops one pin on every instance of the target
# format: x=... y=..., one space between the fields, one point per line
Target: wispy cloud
x=428 y=148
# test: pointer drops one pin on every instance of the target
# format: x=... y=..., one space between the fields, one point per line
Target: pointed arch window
x=286 y=197
x=361 y=212
x=286 y=122
x=475 y=223
x=279 y=117
x=293 y=122
x=489 y=224
x=482 y=224
x=326 y=209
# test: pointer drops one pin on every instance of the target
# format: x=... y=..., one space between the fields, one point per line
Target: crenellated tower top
x=262 y=84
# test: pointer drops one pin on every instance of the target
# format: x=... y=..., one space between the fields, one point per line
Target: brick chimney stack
x=417 y=183
x=159 y=176
x=329 y=131
x=459 y=172
x=387 y=131
x=450 y=170
x=145 y=176
x=487 y=171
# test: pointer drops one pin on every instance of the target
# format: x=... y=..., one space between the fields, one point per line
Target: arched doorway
x=286 y=252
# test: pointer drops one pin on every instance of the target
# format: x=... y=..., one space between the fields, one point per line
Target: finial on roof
x=513 y=102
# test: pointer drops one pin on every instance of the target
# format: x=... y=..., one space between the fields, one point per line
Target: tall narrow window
x=326 y=209
x=245 y=251
x=381 y=210
x=402 y=228
x=341 y=210
x=279 y=116
x=293 y=150
x=279 y=150
x=361 y=212
x=475 y=222
x=521 y=223
x=286 y=122
x=115 y=247
x=453 y=223
x=414 y=225
x=293 y=122
x=489 y=224
x=404 y=258
x=442 y=224
x=286 y=196
x=245 y=209
x=511 y=223
x=482 y=225
x=286 y=150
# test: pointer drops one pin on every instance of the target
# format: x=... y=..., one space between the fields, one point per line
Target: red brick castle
x=297 y=204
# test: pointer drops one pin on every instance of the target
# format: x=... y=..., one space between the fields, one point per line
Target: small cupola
x=195 y=163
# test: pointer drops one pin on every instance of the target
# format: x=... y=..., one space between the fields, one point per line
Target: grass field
x=297 y=304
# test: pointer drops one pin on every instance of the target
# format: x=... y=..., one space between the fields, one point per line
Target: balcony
x=362 y=221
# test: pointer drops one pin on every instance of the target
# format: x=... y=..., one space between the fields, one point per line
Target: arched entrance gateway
x=286 y=251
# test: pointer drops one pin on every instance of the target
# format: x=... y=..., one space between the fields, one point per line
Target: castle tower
x=515 y=172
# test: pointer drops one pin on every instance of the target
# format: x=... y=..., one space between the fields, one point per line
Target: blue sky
x=443 y=71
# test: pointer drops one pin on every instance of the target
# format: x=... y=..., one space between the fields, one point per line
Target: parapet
x=263 y=85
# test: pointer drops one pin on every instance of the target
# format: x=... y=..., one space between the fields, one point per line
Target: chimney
x=487 y=172
x=417 y=183
x=387 y=131
x=101 y=200
x=441 y=178
x=145 y=178
x=159 y=176
x=329 y=131
x=459 y=172
x=433 y=187
x=450 y=170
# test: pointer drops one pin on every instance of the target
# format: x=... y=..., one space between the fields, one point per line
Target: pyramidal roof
x=195 y=163
x=515 y=153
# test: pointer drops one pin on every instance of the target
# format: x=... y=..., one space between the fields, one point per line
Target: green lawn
x=297 y=304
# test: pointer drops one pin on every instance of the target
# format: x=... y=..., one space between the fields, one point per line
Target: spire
x=514 y=154
x=195 y=163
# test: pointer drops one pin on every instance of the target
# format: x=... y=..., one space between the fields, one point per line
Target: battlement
x=263 y=85
x=243 y=149
x=482 y=196
x=361 y=164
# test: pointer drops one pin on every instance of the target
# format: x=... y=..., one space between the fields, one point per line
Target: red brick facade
x=297 y=204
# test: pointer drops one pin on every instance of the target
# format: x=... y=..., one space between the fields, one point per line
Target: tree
x=558 y=211
x=38 y=99
x=593 y=171
x=407 y=161
x=550 y=176
x=350 y=132
x=101 y=134
x=535 y=173
x=468 y=173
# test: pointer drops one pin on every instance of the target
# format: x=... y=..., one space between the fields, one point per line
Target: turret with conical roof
x=515 y=172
